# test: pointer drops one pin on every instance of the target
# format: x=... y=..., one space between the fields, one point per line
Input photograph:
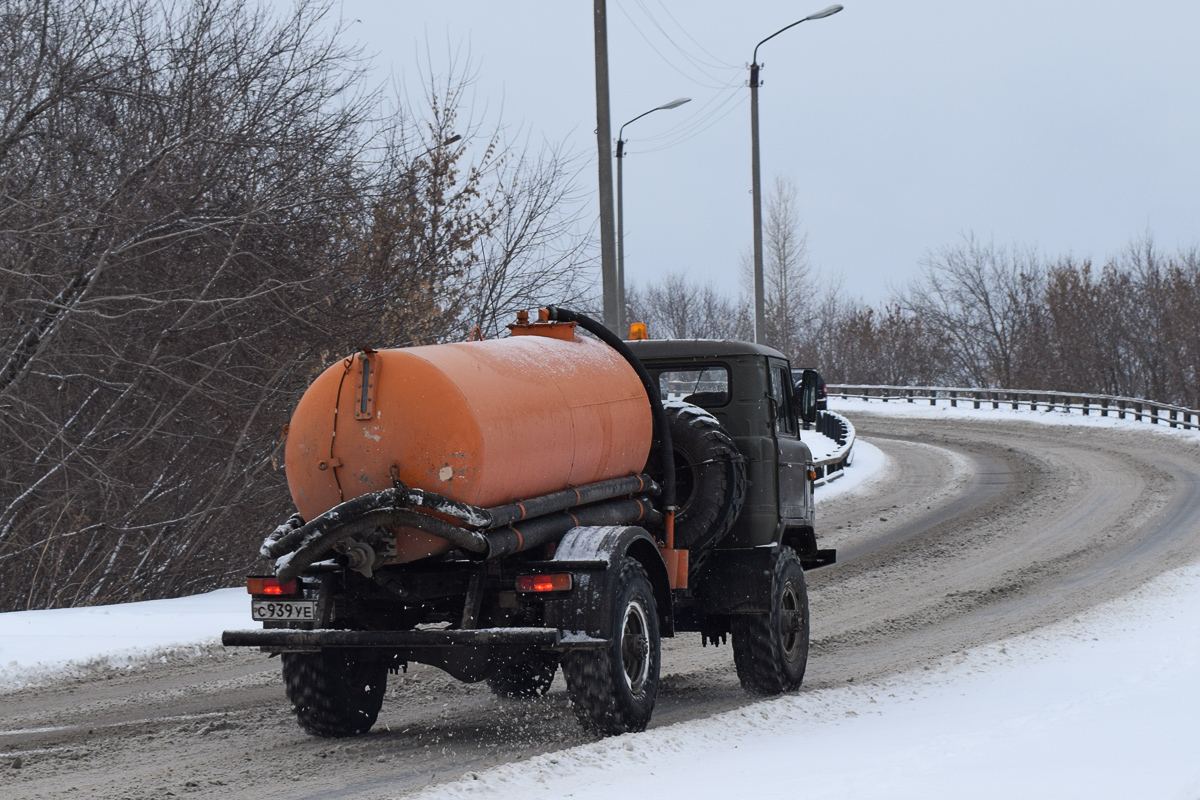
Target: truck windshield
x=706 y=386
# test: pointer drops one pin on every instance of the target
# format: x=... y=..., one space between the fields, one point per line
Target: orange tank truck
x=481 y=422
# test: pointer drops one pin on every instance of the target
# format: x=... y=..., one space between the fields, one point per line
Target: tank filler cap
x=543 y=327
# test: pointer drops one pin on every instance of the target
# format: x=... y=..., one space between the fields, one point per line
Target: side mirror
x=806 y=395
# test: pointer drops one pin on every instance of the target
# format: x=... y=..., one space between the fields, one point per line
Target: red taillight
x=558 y=582
x=271 y=586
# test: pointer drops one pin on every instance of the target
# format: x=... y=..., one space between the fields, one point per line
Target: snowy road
x=978 y=532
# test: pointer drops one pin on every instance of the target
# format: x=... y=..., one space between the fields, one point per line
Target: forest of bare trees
x=979 y=315
x=201 y=204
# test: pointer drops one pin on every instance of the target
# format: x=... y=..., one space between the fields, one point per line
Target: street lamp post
x=760 y=311
x=621 y=321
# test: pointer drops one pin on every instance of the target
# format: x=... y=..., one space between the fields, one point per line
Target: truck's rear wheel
x=613 y=689
x=770 y=650
x=335 y=692
x=529 y=675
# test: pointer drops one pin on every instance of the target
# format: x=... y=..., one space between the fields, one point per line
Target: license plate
x=299 y=610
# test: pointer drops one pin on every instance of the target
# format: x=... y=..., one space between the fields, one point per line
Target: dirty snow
x=36 y=645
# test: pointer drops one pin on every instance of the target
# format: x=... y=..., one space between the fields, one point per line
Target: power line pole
x=608 y=260
x=760 y=315
x=760 y=325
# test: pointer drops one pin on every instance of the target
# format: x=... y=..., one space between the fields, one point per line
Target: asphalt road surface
x=978 y=531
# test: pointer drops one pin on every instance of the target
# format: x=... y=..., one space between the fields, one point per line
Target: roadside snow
x=820 y=445
x=867 y=466
x=964 y=410
x=39 y=645
x=1104 y=706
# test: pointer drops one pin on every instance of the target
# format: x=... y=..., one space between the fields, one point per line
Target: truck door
x=793 y=454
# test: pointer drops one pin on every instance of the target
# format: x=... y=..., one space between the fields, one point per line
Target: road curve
x=978 y=531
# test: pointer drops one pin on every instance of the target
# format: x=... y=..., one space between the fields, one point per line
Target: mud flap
x=738 y=581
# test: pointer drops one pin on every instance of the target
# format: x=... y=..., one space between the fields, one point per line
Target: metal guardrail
x=841 y=430
x=1032 y=399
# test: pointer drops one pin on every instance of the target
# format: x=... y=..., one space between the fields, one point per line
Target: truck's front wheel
x=613 y=689
x=335 y=692
x=770 y=650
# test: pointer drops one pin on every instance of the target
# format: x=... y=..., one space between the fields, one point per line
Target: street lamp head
x=825 y=12
x=675 y=103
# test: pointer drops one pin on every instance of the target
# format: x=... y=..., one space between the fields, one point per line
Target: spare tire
x=710 y=479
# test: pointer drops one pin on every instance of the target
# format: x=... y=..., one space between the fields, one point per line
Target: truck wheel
x=525 y=677
x=710 y=478
x=613 y=689
x=335 y=692
x=770 y=650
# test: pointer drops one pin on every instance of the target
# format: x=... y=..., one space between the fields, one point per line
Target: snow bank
x=867 y=466
x=37 y=645
x=820 y=445
x=922 y=410
x=1104 y=706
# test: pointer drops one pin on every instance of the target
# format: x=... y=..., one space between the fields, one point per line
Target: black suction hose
x=665 y=447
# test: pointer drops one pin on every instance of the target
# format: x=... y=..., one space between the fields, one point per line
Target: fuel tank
x=482 y=422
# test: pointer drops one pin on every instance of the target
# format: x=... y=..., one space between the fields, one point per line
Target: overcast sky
x=1069 y=126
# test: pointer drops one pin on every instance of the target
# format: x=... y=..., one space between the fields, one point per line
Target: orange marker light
x=558 y=582
x=271 y=586
x=637 y=332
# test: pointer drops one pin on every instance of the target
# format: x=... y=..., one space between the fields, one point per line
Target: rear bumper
x=291 y=640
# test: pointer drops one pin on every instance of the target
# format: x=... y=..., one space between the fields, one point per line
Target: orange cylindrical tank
x=481 y=422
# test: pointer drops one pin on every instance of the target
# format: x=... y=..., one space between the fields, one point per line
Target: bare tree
x=534 y=251
x=199 y=210
x=425 y=216
x=677 y=308
x=173 y=178
x=986 y=301
x=787 y=273
x=1087 y=338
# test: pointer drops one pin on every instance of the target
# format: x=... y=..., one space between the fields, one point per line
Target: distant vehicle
x=822 y=394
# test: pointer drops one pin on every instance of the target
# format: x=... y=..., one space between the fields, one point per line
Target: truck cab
x=748 y=388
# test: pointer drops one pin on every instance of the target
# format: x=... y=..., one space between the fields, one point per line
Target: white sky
x=1068 y=125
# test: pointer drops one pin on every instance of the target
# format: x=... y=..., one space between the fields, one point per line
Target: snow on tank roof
x=699 y=348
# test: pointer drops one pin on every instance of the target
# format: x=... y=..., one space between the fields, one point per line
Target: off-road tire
x=770 y=650
x=335 y=693
x=710 y=479
x=525 y=677
x=613 y=689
